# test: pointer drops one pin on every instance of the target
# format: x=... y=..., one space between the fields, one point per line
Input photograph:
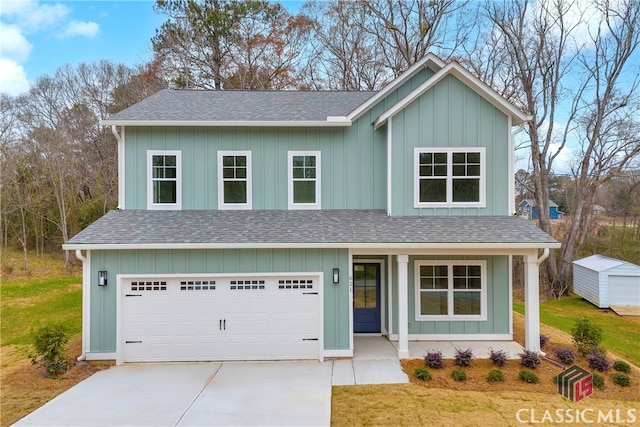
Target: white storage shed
x=606 y=281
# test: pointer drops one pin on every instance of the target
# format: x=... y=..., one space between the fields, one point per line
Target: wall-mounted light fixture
x=102 y=278
x=336 y=275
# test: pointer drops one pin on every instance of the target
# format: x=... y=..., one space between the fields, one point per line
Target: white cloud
x=13 y=80
x=13 y=43
x=33 y=16
x=77 y=28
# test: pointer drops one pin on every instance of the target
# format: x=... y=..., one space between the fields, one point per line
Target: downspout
x=118 y=136
x=85 y=303
x=544 y=256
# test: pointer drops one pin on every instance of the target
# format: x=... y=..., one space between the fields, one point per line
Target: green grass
x=619 y=333
x=30 y=303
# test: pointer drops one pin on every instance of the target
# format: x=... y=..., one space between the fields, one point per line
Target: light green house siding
x=498 y=302
x=450 y=115
x=103 y=299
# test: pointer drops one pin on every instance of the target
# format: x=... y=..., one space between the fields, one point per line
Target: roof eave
x=330 y=122
x=320 y=245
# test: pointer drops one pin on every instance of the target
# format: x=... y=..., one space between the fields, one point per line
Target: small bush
x=529 y=359
x=622 y=366
x=50 y=348
x=622 y=380
x=586 y=335
x=458 y=375
x=598 y=381
x=498 y=357
x=422 y=374
x=599 y=362
x=565 y=355
x=528 y=377
x=463 y=357
x=495 y=376
x=433 y=359
x=544 y=340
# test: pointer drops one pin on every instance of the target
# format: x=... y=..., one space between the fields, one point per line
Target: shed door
x=220 y=319
x=624 y=290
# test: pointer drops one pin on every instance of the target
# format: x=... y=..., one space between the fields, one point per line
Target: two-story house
x=276 y=225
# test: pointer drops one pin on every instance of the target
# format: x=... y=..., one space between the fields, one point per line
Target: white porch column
x=531 y=303
x=403 y=307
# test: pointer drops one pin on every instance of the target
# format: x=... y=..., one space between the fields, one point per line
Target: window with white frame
x=304 y=180
x=164 y=180
x=449 y=177
x=234 y=179
x=451 y=290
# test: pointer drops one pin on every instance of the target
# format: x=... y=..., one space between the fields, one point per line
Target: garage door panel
x=222 y=319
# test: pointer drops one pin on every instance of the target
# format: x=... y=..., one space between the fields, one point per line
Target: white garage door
x=624 y=290
x=221 y=318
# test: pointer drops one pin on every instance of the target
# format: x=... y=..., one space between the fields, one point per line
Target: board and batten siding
x=589 y=284
x=450 y=115
x=174 y=262
x=498 y=301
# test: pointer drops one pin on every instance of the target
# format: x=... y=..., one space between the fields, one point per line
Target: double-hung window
x=451 y=290
x=304 y=180
x=164 y=180
x=234 y=180
x=449 y=177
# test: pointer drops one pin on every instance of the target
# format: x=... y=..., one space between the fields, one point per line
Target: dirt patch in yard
x=24 y=387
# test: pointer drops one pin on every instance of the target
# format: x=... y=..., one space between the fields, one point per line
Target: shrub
x=495 y=376
x=599 y=362
x=458 y=375
x=498 y=357
x=598 y=381
x=528 y=377
x=622 y=380
x=463 y=357
x=565 y=355
x=529 y=359
x=422 y=374
x=433 y=359
x=586 y=335
x=622 y=366
x=50 y=348
x=544 y=340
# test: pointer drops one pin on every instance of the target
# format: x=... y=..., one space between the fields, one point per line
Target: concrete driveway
x=196 y=394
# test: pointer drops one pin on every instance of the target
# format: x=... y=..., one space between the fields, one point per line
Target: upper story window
x=449 y=177
x=164 y=180
x=451 y=290
x=234 y=179
x=304 y=180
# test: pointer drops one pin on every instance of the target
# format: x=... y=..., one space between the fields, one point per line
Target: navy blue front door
x=366 y=297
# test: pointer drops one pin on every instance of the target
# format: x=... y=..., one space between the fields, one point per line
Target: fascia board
x=380 y=246
x=330 y=122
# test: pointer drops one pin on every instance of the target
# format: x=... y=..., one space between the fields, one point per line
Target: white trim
x=510 y=261
x=337 y=353
x=430 y=61
x=330 y=122
x=301 y=206
x=249 y=181
x=402 y=260
x=103 y=356
x=164 y=206
x=86 y=300
x=119 y=357
x=121 y=165
x=390 y=291
x=465 y=77
x=531 y=303
x=359 y=248
x=350 y=303
x=456 y=337
x=389 y=167
x=449 y=203
x=450 y=291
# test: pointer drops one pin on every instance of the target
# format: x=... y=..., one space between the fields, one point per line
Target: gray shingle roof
x=223 y=105
x=340 y=227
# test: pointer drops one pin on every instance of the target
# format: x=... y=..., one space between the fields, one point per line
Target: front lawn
x=620 y=333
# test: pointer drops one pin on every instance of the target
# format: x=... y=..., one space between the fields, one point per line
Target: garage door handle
x=133 y=342
x=220 y=324
x=309 y=339
x=309 y=293
x=224 y=324
x=133 y=295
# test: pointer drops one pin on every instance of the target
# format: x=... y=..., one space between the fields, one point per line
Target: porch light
x=102 y=278
x=336 y=275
